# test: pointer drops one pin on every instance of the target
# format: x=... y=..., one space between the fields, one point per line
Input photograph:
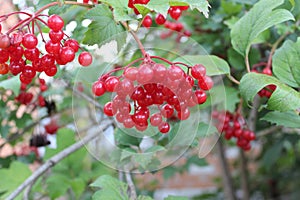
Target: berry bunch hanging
x=152 y=86
x=268 y=90
x=233 y=125
x=20 y=54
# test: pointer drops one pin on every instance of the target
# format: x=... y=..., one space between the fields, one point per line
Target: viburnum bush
x=167 y=80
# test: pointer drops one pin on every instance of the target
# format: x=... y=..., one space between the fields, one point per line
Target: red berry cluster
x=233 y=125
x=52 y=127
x=87 y=1
x=268 y=90
x=174 y=12
x=170 y=91
x=26 y=98
x=19 y=53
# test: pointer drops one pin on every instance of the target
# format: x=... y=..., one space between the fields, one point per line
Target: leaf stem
x=274 y=47
x=231 y=78
x=247 y=63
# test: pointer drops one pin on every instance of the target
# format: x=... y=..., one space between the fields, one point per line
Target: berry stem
x=274 y=47
x=136 y=38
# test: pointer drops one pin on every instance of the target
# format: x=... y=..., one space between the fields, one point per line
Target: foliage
x=239 y=41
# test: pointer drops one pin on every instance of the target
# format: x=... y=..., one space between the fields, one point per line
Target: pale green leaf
x=111 y=188
x=286 y=62
x=141 y=197
x=283 y=98
x=120 y=9
x=176 y=198
x=160 y=6
x=155 y=148
x=12 y=83
x=12 y=177
x=205 y=130
x=103 y=28
x=201 y=5
x=262 y=16
x=214 y=65
x=286 y=119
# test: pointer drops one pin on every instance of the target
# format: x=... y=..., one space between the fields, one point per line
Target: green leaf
x=272 y=154
x=111 y=188
x=103 y=28
x=261 y=17
x=201 y=5
x=205 y=130
x=224 y=97
x=14 y=176
x=57 y=185
x=286 y=119
x=78 y=186
x=155 y=148
x=214 y=65
x=141 y=197
x=231 y=8
x=176 y=198
x=120 y=9
x=283 y=98
x=160 y=6
x=286 y=62
x=122 y=138
x=12 y=83
x=143 y=159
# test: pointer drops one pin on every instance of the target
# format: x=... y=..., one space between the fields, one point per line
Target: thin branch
x=268 y=131
x=244 y=175
x=227 y=181
x=27 y=192
x=274 y=47
x=131 y=186
x=57 y=158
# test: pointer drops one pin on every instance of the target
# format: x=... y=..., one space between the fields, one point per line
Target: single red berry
x=175 y=73
x=198 y=71
x=67 y=54
x=56 y=36
x=267 y=71
x=4 y=55
x=167 y=111
x=175 y=13
x=73 y=44
x=155 y=119
x=16 y=39
x=205 y=83
x=98 y=88
x=160 y=19
x=107 y=109
x=52 y=48
x=201 y=96
x=128 y=122
x=4 y=41
x=147 y=22
x=111 y=83
x=145 y=74
x=55 y=22
x=85 y=58
x=4 y=68
x=24 y=79
x=52 y=127
x=29 y=41
x=164 y=127
x=131 y=73
x=32 y=54
x=51 y=70
x=184 y=114
x=28 y=71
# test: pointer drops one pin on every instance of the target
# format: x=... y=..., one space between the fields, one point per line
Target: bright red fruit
x=164 y=127
x=160 y=19
x=111 y=83
x=147 y=22
x=85 y=59
x=108 y=109
x=55 y=22
x=29 y=41
x=98 y=88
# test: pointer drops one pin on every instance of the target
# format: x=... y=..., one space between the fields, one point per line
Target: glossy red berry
x=111 y=83
x=4 y=41
x=29 y=41
x=164 y=127
x=147 y=22
x=107 y=109
x=198 y=71
x=160 y=19
x=85 y=59
x=175 y=13
x=55 y=22
x=98 y=88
